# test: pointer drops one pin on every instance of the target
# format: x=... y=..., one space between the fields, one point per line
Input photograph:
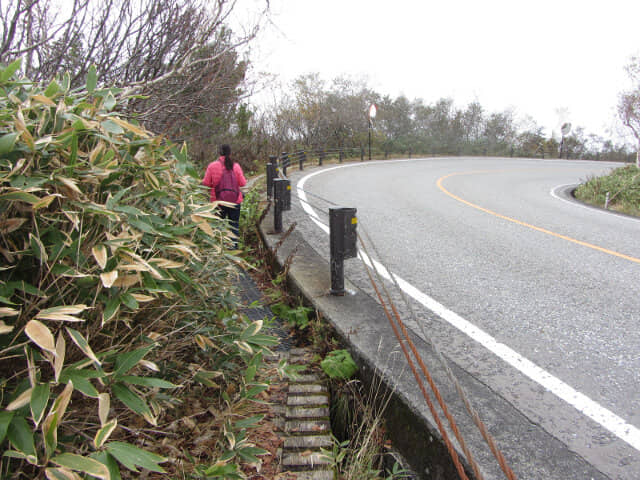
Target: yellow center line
x=528 y=225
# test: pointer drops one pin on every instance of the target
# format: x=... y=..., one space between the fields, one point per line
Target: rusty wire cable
x=425 y=393
x=470 y=409
x=425 y=371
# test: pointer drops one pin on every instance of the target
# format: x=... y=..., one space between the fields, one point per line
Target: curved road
x=535 y=295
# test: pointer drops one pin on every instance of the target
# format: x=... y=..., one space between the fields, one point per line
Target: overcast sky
x=536 y=57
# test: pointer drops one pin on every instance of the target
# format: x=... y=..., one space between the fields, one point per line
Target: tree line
x=186 y=74
x=319 y=114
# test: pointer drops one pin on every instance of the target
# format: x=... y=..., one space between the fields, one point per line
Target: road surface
x=533 y=294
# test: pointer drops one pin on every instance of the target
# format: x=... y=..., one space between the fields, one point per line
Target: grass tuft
x=622 y=185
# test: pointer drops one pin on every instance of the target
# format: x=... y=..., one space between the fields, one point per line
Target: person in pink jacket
x=224 y=177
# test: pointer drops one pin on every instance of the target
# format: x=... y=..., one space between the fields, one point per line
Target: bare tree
x=178 y=56
x=629 y=104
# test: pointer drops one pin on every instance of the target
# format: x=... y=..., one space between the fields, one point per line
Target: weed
x=622 y=186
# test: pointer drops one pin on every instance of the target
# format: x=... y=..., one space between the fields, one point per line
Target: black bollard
x=342 y=244
x=282 y=201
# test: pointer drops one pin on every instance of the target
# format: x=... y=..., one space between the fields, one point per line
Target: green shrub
x=622 y=185
x=338 y=364
x=108 y=247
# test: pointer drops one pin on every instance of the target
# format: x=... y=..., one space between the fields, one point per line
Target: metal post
x=281 y=203
x=285 y=162
x=302 y=157
x=369 y=138
x=362 y=154
x=321 y=157
x=341 y=155
x=271 y=175
x=342 y=244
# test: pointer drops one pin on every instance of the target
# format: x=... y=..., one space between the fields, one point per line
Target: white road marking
x=554 y=194
x=596 y=412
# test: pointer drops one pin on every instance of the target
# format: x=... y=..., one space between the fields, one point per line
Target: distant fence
x=320 y=155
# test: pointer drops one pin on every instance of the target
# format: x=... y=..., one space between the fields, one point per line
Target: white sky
x=536 y=57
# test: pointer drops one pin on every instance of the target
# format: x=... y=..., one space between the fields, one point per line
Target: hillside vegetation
x=622 y=186
x=115 y=302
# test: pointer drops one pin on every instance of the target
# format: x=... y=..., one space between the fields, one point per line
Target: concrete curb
x=360 y=324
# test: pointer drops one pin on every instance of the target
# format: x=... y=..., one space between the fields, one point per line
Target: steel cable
x=425 y=393
x=426 y=373
x=461 y=393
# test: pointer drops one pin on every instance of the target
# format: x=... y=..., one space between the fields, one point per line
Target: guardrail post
x=285 y=162
x=301 y=159
x=271 y=174
x=282 y=201
x=321 y=157
x=362 y=154
x=342 y=244
x=341 y=154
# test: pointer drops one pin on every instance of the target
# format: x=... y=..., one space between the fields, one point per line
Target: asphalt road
x=535 y=295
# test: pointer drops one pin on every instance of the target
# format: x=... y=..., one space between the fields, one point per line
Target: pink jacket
x=214 y=173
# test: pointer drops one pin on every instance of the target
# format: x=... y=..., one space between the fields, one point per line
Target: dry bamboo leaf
x=164 y=263
x=11 y=225
x=100 y=254
x=184 y=249
x=63 y=313
x=73 y=217
x=58 y=363
x=61 y=317
x=104 y=405
x=45 y=201
x=68 y=309
x=43 y=99
x=4 y=328
x=95 y=152
x=150 y=365
x=142 y=298
x=71 y=184
x=40 y=335
x=61 y=473
x=149 y=268
x=128 y=126
x=126 y=281
x=8 y=312
x=109 y=278
x=23 y=399
x=206 y=228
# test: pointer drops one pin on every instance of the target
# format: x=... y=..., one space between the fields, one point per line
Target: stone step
x=307 y=442
x=309 y=389
x=307 y=400
x=304 y=461
x=315 y=475
x=306 y=378
x=307 y=412
x=307 y=426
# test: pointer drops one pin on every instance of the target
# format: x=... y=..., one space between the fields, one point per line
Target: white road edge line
x=596 y=412
x=554 y=193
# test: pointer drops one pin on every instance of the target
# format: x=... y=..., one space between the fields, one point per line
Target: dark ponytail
x=225 y=151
